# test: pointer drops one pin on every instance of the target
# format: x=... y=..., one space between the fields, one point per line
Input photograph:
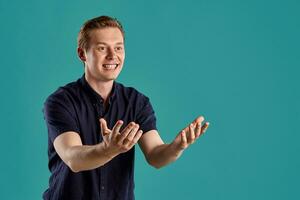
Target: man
x=94 y=123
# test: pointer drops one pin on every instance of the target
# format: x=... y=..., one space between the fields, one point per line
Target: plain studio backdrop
x=235 y=62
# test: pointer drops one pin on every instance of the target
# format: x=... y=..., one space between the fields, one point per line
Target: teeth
x=106 y=66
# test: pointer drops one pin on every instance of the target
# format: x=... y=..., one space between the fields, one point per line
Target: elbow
x=154 y=164
x=73 y=167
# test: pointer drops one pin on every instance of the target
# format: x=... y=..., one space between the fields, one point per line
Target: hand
x=190 y=134
x=119 y=142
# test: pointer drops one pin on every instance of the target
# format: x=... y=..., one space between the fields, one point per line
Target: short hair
x=96 y=23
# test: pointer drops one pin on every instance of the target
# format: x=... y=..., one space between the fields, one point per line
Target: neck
x=103 y=88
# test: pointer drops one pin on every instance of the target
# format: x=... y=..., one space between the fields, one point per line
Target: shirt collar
x=95 y=96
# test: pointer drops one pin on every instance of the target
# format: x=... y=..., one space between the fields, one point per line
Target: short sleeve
x=59 y=114
x=146 y=116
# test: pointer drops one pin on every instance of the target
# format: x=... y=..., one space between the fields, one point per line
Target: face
x=105 y=55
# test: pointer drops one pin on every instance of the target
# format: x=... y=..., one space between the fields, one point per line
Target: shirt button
x=102 y=187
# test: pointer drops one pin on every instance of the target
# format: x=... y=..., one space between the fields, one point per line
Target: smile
x=110 y=66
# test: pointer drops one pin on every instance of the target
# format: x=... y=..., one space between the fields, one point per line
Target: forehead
x=109 y=35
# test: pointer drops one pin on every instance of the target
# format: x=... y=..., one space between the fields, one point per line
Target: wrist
x=106 y=150
x=176 y=149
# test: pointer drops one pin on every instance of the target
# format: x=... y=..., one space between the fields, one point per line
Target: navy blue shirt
x=77 y=107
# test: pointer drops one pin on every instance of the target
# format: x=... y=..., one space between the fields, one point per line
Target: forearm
x=163 y=155
x=87 y=157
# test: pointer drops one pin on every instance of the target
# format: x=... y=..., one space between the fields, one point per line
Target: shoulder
x=64 y=94
x=133 y=97
x=130 y=92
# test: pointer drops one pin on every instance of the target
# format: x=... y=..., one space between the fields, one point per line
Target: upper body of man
x=94 y=123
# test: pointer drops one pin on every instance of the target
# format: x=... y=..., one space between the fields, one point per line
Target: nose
x=110 y=54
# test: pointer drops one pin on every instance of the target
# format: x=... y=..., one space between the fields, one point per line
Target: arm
x=80 y=157
x=159 y=154
x=156 y=152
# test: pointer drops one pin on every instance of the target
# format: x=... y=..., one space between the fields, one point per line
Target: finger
x=125 y=132
x=199 y=119
x=103 y=125
x=117 y=127
x=198 y=130
x=131 y=135
x=204 y=127
x=183 y=140
x=136 y=138
x=191 y=137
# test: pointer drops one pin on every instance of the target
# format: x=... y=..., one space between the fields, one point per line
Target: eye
x=101 y=48
x=119 y=48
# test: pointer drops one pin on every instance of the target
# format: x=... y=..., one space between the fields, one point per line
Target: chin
x=110 y=78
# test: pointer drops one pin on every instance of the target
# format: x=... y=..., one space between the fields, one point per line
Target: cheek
x=98 y=58
x=90 y=57
x=122 y=57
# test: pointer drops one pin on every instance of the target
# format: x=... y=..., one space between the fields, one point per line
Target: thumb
x=180 y=141
x=177 y=139
x=103 y=126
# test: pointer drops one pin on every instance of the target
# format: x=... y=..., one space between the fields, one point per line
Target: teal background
x=235 y=62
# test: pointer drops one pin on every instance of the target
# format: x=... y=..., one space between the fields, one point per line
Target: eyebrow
x=118 y=43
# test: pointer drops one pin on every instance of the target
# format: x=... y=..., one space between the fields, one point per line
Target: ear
x=81 y=54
